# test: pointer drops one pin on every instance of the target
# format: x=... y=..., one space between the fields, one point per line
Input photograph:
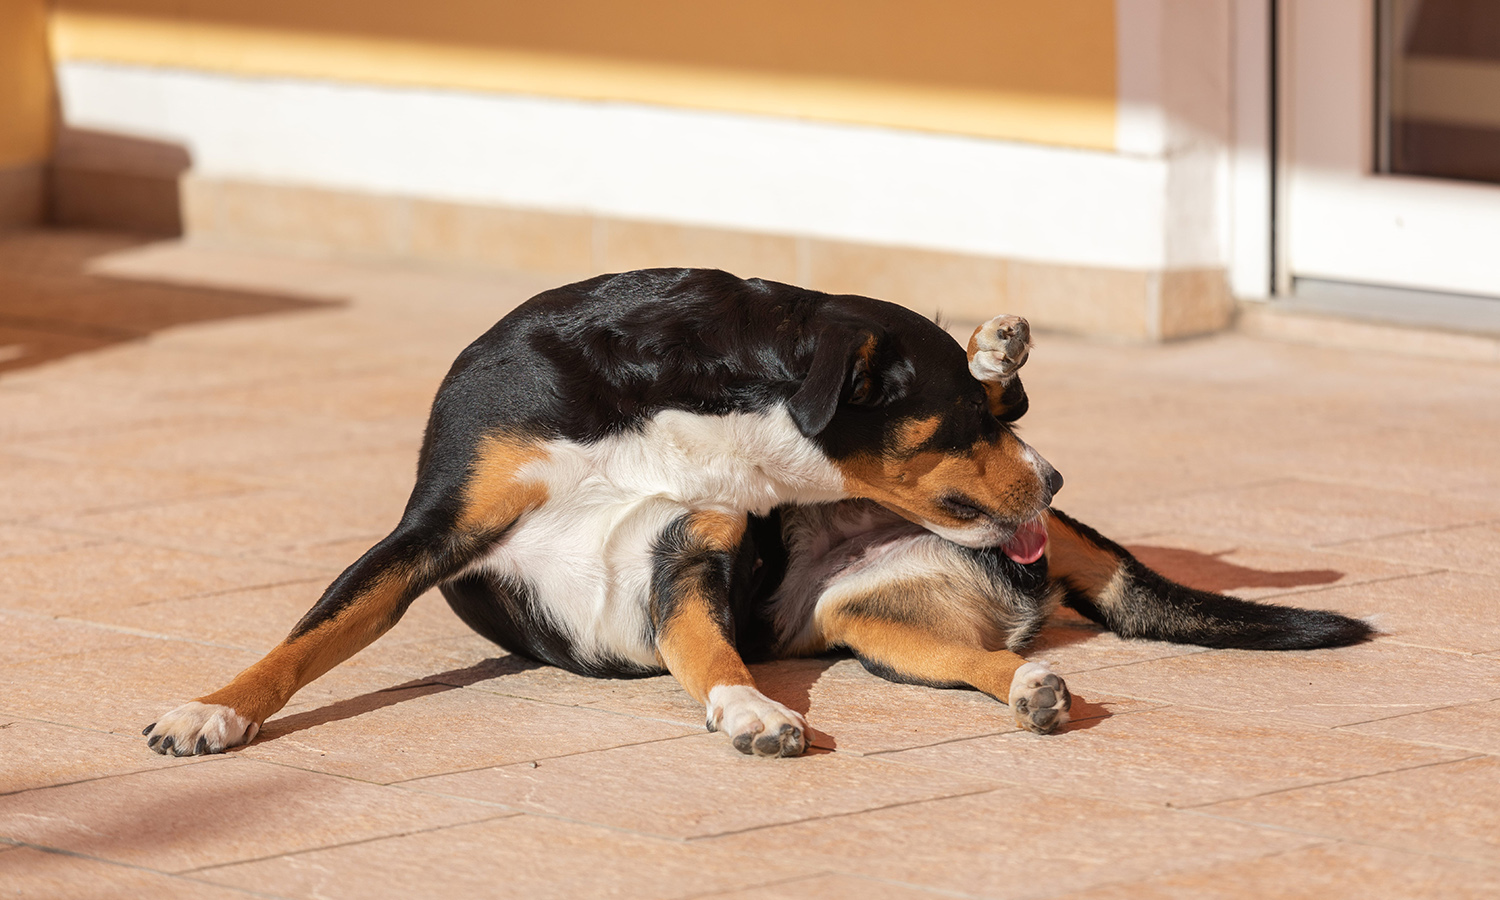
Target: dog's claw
x=197 y=729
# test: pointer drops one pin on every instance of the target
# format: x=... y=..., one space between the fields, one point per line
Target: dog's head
x=893 y=401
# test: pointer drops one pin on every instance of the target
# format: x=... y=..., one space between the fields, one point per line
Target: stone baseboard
x=963 y=288
x=23 y=196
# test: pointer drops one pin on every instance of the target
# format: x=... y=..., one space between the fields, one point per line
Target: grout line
x=74 y=854
x=854 y=812
x=1189 y=871
x=1434 y=530
x=1320 y=784
x=336 y=846
x=407 y=784
x=1336 y=839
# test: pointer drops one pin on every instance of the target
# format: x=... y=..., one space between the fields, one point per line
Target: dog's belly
x=580 y=578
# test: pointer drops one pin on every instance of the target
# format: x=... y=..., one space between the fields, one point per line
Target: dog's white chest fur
x=586 y=553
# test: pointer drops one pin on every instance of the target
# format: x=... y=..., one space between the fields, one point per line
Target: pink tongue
x=1029 y=542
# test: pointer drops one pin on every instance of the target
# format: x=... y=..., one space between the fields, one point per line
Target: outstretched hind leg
x=929 y=650
x=433 y=542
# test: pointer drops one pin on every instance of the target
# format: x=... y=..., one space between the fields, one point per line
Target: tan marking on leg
x=690 y=642
x=265 y=687
x=696 y=652
x=494 y=496
x=918 y=653
x=717 y=530
x=1081 y=563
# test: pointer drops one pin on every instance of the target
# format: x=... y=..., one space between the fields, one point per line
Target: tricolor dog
x=675 y=470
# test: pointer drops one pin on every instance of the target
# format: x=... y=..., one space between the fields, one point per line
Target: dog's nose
x=1054 y=481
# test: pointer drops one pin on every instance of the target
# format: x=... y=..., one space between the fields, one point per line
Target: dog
x=678 y=470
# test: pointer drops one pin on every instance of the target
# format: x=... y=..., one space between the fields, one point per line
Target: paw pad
x=1039 y=699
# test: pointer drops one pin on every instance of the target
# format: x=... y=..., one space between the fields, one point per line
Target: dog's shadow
x=789 y=681
x=452 y=679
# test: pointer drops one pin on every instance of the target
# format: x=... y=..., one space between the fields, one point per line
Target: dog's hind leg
x=1104 y=582
x=694 y=626
x=915 y=652
x=441 y=532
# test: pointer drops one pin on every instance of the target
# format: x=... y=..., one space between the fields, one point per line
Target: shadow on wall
x=52 y=307
x=103 y=180
x=1207 y=572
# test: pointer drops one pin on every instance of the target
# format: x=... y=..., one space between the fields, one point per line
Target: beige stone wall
x=26 y=110
x=1114 y=303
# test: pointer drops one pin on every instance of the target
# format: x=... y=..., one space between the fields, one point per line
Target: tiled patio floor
x=192 y=465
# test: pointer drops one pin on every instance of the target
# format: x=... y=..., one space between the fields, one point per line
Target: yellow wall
x=26 y=104
x=1018 y=69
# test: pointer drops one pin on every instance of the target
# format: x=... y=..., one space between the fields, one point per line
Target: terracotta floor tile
x=259 y=618
x=1474 y=727
x=36 y=875
x=1176 y=757
x=834 y=887
x=379 y=477
x=401 y=734
x=22 y=540
x=1468 y=548
x=263 y=523
x=853 y=711
x=1256 y=572
x=1071 y=644
x=1444 y=610
x=40 y=410
x=1319 y=873
x=27 y=637
x=699 y=786
x=210 y=444
x=418 y=657
x=1338 y=686
x=217 y=812
x=370 y=395
x=35 y=488
x=118 y=574
x=123 y=686
x=1305 y=513
x=658 y=697
x=1012 y=842
x=1451 y=810
x=39 y=754
x=522 y=857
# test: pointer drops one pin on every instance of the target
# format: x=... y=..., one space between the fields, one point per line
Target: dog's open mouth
x=1028 y=543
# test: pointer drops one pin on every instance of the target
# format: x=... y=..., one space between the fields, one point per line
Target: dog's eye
x=961 y=508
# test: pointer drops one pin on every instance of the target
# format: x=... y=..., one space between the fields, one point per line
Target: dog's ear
x=852 y=366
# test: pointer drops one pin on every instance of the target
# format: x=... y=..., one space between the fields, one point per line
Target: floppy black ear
x=847 y=366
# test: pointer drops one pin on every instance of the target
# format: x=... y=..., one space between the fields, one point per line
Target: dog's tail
x=1104 y=582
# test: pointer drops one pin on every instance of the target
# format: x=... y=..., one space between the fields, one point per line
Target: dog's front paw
x=194 y=729
x=999 y=348
x=757 y=725
x=1038 y=698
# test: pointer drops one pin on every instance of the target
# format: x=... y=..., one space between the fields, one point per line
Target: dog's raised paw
x=999 y=348
x=195 y=729
x=1039 y=699
x=756 y=724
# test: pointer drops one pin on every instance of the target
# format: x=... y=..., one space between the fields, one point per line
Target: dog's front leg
x=694 y=625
